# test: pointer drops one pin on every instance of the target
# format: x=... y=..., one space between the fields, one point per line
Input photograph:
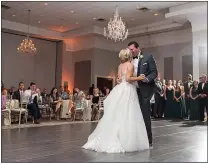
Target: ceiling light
x=116 y=29
x=77 y=23
x=14 y=15
x=72 y=11
x=27 y=45
x=156 y=14
x=38 y=21
x=46 y=4
x=94 y=18
x=133 y=19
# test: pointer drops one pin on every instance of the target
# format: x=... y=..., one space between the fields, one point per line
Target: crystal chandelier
x=116 y=28
x=27 y=45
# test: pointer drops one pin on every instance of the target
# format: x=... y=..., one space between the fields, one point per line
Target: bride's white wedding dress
x=122 y=127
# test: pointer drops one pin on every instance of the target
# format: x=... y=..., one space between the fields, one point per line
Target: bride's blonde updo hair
x=125 y=55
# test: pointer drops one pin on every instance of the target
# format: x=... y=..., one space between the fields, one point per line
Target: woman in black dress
x=56 y=102
x=179 y=110
x=169 y=97
x=194 y=107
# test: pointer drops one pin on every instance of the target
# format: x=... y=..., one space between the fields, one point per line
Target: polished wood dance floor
x=174 y=141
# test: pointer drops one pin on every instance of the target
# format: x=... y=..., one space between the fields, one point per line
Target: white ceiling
x=57 y=16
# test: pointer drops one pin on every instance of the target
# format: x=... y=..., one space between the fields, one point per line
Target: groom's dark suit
x=148 y=67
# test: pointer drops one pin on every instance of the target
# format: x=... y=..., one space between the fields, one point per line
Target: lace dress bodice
x=123 y=75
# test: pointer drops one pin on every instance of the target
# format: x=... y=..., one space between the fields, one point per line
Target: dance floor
x=174 y=141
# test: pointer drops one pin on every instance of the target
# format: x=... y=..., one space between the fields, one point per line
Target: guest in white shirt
x=32 y=104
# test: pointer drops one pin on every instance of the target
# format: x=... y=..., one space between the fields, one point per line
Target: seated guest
x=44 y=95
x=32 y=106
x=56 y=102
x=63 y=94
x=71 y=104
x=101 y=94
x=95 y=103
x=11 y=91
x=20 y=92
x=75 y=94
x=3 y=99
x=86 y=102
x=39 y=97
x=194 y=102
x=107 y=92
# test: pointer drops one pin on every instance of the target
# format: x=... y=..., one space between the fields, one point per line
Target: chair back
x=101 y=104
x=24 y=100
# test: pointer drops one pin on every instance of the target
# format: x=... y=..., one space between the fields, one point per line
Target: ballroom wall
x=39 y=68
x=48 y=69
x=103 y=53
x=103 y=63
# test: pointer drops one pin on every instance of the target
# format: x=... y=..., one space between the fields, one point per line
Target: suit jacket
x=159 y=86
x=148 y=67
x=187 y=87
x=16 y=95
x=204 y=90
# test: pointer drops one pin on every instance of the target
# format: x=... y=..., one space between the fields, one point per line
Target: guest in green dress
x=169 y=97
x=179 y=110
x=194 y=108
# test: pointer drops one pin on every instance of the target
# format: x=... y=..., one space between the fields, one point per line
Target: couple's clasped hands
x=142 y=78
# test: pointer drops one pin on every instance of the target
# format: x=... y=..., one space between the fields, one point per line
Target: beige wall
x=16 y=67
x=176 y=51
x=103 y=63
x=104 y=53
x=47 y=69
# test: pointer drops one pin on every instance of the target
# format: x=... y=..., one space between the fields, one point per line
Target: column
x=196 y=14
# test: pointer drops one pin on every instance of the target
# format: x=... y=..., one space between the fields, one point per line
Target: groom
x=144 y=64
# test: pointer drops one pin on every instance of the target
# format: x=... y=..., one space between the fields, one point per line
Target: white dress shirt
x=189 y=84
x=21 y=93
x=203 y=86
x=136 y=62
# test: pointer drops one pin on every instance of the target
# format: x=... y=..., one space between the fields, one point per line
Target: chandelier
x=27 y=45
x=116 y=28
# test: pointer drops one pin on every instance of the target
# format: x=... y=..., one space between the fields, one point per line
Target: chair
x=16 y=108
x=79 y=107
x=7 y=112
x=101 y=107
x=87 y=112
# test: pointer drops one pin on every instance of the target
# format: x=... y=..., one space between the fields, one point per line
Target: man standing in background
x=187 y=86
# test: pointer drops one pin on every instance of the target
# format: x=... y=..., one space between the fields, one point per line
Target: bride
x=122 y=128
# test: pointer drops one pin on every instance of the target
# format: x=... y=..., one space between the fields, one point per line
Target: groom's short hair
x=136 y=45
